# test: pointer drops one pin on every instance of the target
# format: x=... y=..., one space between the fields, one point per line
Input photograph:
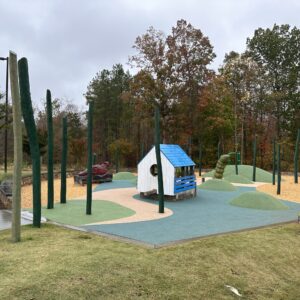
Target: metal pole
x=6 y=118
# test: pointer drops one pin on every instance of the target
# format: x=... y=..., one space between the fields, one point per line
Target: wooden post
x=18 y=147
x=158 y=159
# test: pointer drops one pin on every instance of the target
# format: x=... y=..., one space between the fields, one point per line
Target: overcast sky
x=68 y=41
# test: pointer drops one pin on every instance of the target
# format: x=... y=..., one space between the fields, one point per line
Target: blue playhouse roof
x=176 y=155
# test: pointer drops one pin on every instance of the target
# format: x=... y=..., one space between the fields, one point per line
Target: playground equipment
x=221 y=164
x=100 y=174
x=178 y=173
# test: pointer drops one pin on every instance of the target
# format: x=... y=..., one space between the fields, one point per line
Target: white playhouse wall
x=147 y=182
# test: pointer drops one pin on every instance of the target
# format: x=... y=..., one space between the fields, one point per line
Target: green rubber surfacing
x=73 y=212
x=245 y=171
x=238 y=179
x=124 y=176
x=217 y=185
x=258 y=200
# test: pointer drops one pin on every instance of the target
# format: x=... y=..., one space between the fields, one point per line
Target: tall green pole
x=158 y=159
x=254 y=160
x=200 y=159
x=296 y=157
x=18 y=147
x=117 y=158
x=50 y=203
x=28 y=117
x=273 y=162
x=90 y=160
x=63 y=176
x=278 y=171
x=236 y=164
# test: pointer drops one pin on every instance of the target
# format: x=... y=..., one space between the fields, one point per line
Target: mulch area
x=289 y=190
x=73 y=191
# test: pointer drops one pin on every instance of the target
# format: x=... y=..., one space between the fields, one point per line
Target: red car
x=100 y=174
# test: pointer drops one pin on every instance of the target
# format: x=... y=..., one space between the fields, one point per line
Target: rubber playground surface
x=207 y=214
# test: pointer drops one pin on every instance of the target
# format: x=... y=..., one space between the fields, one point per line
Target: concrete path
x=5 y=220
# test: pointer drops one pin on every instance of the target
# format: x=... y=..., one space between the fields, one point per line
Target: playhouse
x=178 y=173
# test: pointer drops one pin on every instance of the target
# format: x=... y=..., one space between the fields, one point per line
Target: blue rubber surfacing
x=207 y=214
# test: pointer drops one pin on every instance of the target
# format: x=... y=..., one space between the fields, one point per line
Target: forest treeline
x=254 y=93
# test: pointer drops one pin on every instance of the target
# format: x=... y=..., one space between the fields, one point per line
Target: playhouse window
x=153 y=170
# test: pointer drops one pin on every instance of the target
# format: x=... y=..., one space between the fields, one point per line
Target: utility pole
x=6 y=115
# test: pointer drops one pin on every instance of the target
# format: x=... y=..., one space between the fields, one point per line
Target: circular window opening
x=153 y=170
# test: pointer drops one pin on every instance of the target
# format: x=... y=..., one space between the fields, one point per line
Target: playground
x=120 y=212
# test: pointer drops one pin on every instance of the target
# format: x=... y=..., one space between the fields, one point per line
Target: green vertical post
x=18 y=148
x=63 y=176
x=296 y=157
x=50 y=203
x=158 y=159
x=117 y=158
x=236 y=163
x=273 y=162
x=90 y=160
x=200 y=159
x=254 y=160
x=94 y=158
x=28 y=116
x=278 y=171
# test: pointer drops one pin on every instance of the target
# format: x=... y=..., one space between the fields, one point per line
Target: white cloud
x=67 y=42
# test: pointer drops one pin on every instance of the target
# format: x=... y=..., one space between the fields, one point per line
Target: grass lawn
x=58 y=263
x=73 y=213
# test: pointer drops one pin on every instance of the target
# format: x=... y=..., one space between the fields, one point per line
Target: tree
x=106 y=90
x=189 y=53
x=277 y=51
x=249 y=87
x=154 y=83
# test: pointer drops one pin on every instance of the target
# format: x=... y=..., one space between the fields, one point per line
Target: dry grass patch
x=57 y=263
